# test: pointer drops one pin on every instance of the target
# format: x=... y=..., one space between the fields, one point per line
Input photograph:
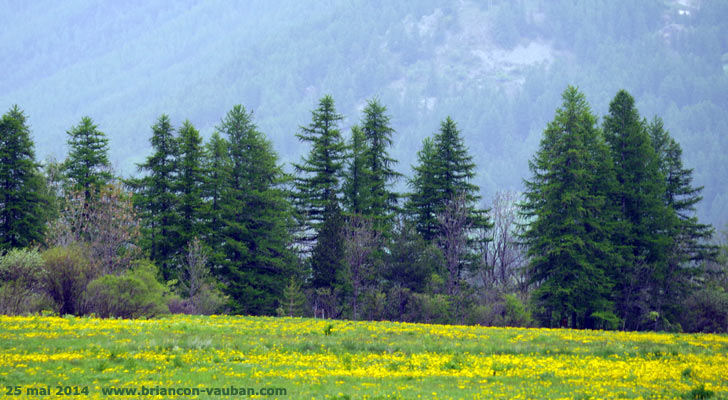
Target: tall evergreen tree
x=155 y=198
x=190 y=179
x=256 y=219
x=445 y=171
x=645 y=220
x=318 y=175
x=378 y=136
x=422 y=203
x=87 y=166
x=22 y=198
x=569 y=219
x=688 y=236
x=217 y=180
x=356 y=187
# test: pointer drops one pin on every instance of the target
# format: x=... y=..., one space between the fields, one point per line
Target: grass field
x=348 y=360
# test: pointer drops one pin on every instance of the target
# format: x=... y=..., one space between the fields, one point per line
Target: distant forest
x=604 y=235
x=496 y=67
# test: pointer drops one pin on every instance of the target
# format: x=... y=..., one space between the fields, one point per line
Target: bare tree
x=194 y=270
x=454 y=228
x=360 y=240
x=504 y=258
x=107 y=225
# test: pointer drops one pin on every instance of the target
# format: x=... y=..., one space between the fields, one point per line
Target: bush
x=434 y=309
x=134 y=294
x=67 y=272
x=706 y=311
x=21 y=279
x=515 y=313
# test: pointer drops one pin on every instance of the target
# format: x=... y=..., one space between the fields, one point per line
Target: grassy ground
x=350 y=360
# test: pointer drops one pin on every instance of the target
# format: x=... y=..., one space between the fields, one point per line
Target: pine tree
x=378 y=136
x=318 y=176
x=256 y=219
x=22 y=198
x=155 y=198
x=327 y=258
x=567 y=209
x=645 y=220
x=188 y=186
x=87 y=166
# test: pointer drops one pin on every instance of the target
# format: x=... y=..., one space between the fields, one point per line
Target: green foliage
x=357 y=182
x=256 y=219
x=645 y=220
x=445 y=171
x=67 y=272
x=432 y=309
x=293 y=301
x=569 y=219
x=327 y=257
x=134 y=294
x=706 y=310
x=377 y=134
x=318 y=176
x=188 y=185
x=87 y=166
x=21 y=282
x=23 y=200
x=699 y=393
x=155 y=198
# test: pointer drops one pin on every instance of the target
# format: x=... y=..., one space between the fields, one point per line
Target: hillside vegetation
x=496 y=67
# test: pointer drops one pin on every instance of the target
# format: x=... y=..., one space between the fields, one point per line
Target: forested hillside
x=497 y=67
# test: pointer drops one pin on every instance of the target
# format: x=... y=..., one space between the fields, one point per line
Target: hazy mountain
x=497 y=67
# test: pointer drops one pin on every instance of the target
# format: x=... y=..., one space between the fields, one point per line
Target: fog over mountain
x=497 y=68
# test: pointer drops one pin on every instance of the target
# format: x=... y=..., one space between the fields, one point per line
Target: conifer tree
x=188 y=186
x=445 y=171
x=256 y=219
x=422 y=204
x=217 y=180
x=645 y=220
x=378 y=137
x=568 y=213
x=318 y=175
x=688 y=237
x=22 y=198
x=155 y=198
x=87 y=166
x=357 y=186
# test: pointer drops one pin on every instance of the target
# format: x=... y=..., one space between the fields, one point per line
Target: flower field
x=314 y=359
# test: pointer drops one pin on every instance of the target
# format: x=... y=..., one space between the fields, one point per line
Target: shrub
x=21 y=278
x=134 y=294
x=67 y=271
x=706 y=311
x=515 y=312
x=431 y=308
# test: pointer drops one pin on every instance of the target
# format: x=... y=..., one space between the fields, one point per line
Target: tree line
x=604 y=235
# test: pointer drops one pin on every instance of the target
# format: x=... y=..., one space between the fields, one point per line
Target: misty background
x=497 y=68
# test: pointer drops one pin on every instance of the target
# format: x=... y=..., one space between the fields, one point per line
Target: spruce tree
x=445 y=171
x=87 y=166
x=155 y=198
x=256 y=219
x=378 y=137
x=569 y=220
x=318 y=176
x=688 y=237
x=642 y=238
x=22 y=191
x=422 y=203
x=357 y=183
x=188 y=185
x=217 y=168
